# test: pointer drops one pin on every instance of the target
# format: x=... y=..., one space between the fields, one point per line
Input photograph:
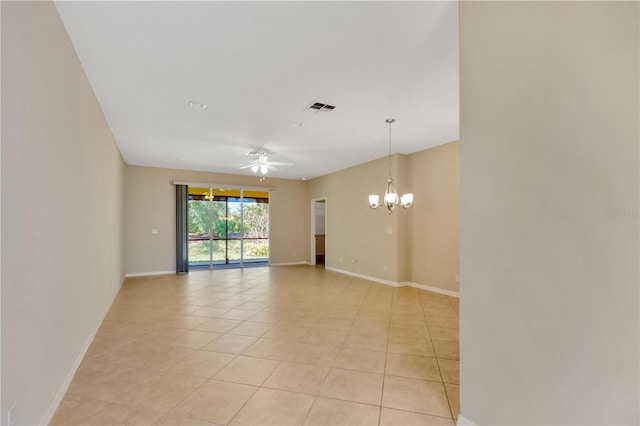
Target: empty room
x=320 y=213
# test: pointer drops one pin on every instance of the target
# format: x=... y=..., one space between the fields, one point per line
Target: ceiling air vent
x=319 y=106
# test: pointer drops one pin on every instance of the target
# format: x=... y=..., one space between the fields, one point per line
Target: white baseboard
x=147 y=274
x=463 y=421
x=433 y=289
x=48 y=415
x=364 y=277
x=340 y=271
x=396 y=284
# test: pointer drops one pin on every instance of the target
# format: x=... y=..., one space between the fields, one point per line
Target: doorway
x=227 y=228
x=318 y=231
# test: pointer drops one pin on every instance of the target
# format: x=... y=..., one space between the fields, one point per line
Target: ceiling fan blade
x=246 y=166
x=277 y=163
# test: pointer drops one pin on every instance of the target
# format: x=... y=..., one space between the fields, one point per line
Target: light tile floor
x=274 y=345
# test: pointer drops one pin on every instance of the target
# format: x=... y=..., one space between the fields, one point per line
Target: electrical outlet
x=354 y=261
x=385 y=268
x=154 y=231
x=457 y=278
x=10 y=415
x=294 y=254
x=340 y=260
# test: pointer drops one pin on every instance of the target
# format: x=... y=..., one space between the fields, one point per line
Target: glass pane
x=199 y=221
x=198 y=252
x=256 y=230
x=256 y=250
x=256 y=219
x=219 y=219
x=233 y=218
x=234 y=251
x=219 y=251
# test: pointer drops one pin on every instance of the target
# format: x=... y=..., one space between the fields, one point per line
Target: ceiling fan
x=260 y=163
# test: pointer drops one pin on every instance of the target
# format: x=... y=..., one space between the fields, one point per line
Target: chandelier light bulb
x=264 y=169
x=391 y=198
x=254 y=169
x=374 y=201
x=406 y=200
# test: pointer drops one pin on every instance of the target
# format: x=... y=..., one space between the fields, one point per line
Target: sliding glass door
x=255 y=235
x=234 y=234
x=227 y=227
x=199 y=227
x=219 y=229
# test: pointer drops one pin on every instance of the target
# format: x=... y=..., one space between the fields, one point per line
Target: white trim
x=312 y=238
x=48 y=415
x=148 y=274
x=224 y=186
x=289 y=263
x=364 y=277
x=396 y=284
x=463 y=421
x=433 y=289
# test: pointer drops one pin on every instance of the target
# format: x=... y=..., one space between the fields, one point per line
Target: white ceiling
x=257 y=65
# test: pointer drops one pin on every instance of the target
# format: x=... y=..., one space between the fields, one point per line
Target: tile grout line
x=436 y=357
x=386 y=355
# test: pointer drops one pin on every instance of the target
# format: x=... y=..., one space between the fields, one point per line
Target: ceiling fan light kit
x=390 y=199
x=261 y=164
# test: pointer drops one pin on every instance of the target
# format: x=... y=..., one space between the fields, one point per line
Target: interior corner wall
x=418 y=245
x=404 y=241
x=550 y=115
x=359 y=240
x=436 y=216
x=150 y=204
x=62 y=211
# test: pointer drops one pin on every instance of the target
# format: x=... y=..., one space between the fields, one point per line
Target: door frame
x=312 y=260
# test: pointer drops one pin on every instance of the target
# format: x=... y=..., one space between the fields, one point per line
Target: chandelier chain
x=389 y=150
x=390 y=121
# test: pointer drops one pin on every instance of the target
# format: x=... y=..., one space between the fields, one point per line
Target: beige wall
x=423 y=244
x=150 y=204
x=436 y=216
x=62 y=211
x=549 y=152
x=356 y=237
x=405 y=224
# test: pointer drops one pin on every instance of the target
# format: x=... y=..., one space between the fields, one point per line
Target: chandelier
x=391 y=199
